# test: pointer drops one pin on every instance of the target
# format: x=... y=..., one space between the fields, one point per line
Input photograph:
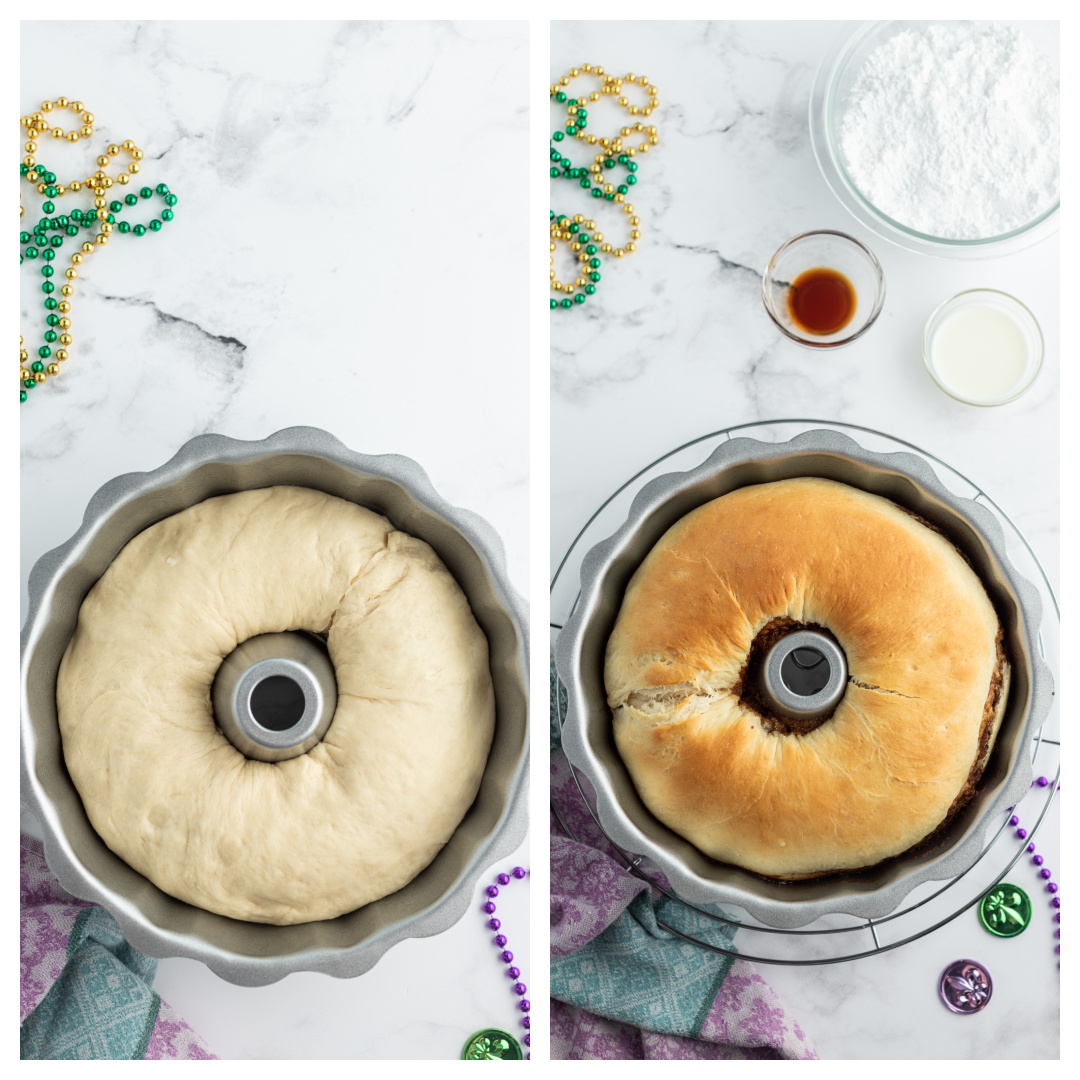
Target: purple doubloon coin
x=965 y=986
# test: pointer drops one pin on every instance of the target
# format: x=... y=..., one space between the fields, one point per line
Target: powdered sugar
x=953 y=130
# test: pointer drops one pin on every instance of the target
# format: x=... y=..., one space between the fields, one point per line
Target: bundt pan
x=587 y=733
x=159 y=925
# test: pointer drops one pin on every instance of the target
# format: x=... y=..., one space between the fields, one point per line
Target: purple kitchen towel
x=84 y=992
x=622 y=986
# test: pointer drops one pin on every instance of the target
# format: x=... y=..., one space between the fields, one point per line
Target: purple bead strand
x=506 y=956
x=1037 y=860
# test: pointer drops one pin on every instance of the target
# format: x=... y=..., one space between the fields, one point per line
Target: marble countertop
x=677 y=344
x=326 y=266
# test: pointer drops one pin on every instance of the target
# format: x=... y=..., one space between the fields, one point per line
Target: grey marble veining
x=676 y=343
x=338 y=258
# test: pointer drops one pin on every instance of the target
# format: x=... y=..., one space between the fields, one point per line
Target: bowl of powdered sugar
x=943 y=136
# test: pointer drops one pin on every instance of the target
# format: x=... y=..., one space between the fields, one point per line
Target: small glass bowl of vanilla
x=983 y=347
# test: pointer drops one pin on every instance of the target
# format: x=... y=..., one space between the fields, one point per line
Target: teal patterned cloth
x=639 y=974
x=84 y=992
x=102 y=1006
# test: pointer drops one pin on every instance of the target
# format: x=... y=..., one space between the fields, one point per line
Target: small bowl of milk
x=983 y=347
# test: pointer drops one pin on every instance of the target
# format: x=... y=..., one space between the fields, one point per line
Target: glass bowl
x=835 y=76
x=834 y=251
x=995 y=301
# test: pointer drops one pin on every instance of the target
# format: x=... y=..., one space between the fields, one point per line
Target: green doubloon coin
x=492 y=1044
x=1005 y=910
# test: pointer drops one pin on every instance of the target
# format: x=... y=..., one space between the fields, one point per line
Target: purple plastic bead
x=1031 y=847
x=1037 y=860
x=1057 y=917
x=526 y=1022
x=500 y=940
x=1042 y=781
x=528 y=1040
x=520 y=989
x=1051 y=887
x=518 y=872
x=489 y=907
x=1045 y=873
x=1014 y=820
x=1022 y=833
x=1057 y=933
x=1056 y=902
x=492 y=891
x=524 y=1005
x=507 y=957
x=494 y=924
x=503 y=879
x=513 y=972
x=1058 y=949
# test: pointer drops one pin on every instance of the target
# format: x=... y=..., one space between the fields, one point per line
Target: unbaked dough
x=313 y=837
x=928 y=679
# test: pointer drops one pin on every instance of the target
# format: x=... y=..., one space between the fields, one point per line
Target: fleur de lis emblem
x=487 y=1048
x=970 y=988
x=1004 y=909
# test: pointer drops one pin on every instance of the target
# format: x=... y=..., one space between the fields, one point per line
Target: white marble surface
x=348 y=252
x=677 y=344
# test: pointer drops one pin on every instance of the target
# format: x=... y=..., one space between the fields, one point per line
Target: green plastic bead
x=594 y=277
x=571 y=129
x=146 y=192
x=124 y=226
x=609 y=195
x=116 y=206
x=594 y=263
x=558 y=136
x=50 y=304
x=167 y=215
x=582 y=114
x=131 y=199
x=29 y=384
x=48 y=254
x=72 y=230
x=579 y=298
x=590 y=289
x=554 y=303
x=22 y=396
x=560 y=96
x=52 y=320
x=49 y=178
x=575 y=227
x=585 y=183
x=50 y=192
x=554 y=172
x=622 y=189
x=44 y=352
x=170 y=199
x=37 y=365
x=47 y=271
x=139 y=230
x=47 y=207
x=609 y=163
x=155 y=225
x=24 y=238
x=31 y=252
x=63 y=221
x=590 y=250
x=162 y=189
x=597 y=193
x=50 y=336
x=48 y=287
x=631 y=166
x=631 y=180
x=568 y=303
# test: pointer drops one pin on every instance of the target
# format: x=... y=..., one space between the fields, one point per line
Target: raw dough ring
x=927 y=679
x=358 y=816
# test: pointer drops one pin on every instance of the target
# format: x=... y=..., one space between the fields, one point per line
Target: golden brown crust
x=922 y=642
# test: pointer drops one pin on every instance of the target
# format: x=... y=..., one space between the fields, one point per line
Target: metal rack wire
x=942 y=902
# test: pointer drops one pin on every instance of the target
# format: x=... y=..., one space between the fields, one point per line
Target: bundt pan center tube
x=256 y=953
x=800 y=678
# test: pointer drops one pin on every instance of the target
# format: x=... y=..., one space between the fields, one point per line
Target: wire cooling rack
x=839 y=938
